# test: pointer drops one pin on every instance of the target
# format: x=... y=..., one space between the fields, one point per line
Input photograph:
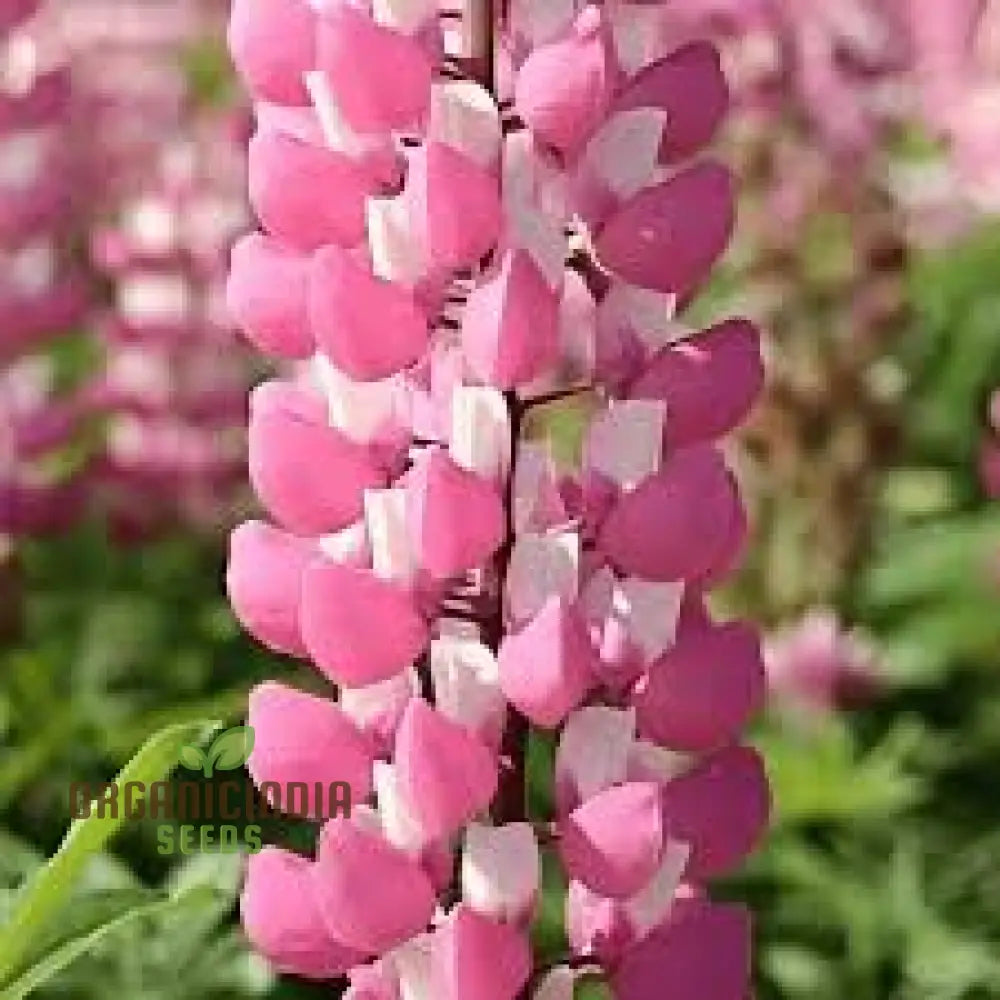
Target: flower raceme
x=489 y=241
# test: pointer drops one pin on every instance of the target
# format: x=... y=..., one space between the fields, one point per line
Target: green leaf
x=592 y=987
x=41 y=902
x=230 y=750
x=192 y=757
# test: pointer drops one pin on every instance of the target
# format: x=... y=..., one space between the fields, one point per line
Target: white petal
x=540 y=567
x=650 y=315
x=625 y=151
x=537 y=503
x=359 y=409
x=625 y=442
x=648 y=908
x=401 y=827
x=407 y=16
x=501 y=870
x=413 y=965
x=396 y=251
x=649 y=762
x=650 y=612
x=467 y=685
x=465 y=117
x=389 y=534
x=365 y=706
x=480 y=431
x=594 y=749
x=557 y=984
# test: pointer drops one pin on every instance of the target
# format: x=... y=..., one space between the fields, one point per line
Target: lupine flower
x=819 y=665
x=41 y=293
x=498 y=232
x=169 y=201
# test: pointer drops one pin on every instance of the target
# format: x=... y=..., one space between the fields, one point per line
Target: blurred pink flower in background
x=989 y=455
x=820 y=665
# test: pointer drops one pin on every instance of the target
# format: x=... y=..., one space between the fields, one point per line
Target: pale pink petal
x=563 y=88
x=476 y=958
x=368 y=327
x=300 y=738
x=614 y=841
x=264 y=582
x=282 y=920
x=548 y=667
x=446 y=772
x=371 y=895
x=358 y=629
x=593 y=753
x=510 y=330
x=266 y=296
x=456 y=518
x=501 y=870
x=310 y=476
x=273 y=43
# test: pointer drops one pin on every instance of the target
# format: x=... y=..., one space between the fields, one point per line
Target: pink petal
x=282 y=920
x=704 y=689
x=273 y=44
x=720 y=809
x=455 y=517
x=708 y=382
x=676 y=523
x=454 y=204
x=597 y=925
x=264 y=581
x=266 y=296
x=371 y=895
x=447 y=774
x=380 y=78
x=510 y=331
x=613 y=842
x=358 y=629
x=310 y=476
x=548 y=667
x=563 y=88
x=476 y=958
x=702 y=951
x=690 y=86
x=668 y=237
x=368 y=327
x=304 y=194
x=301 y=738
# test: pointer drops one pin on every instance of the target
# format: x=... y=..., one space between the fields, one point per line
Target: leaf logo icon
x=230 y=750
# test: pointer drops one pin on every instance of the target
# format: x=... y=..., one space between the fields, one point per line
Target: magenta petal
x=613 y=842
x=455 y=517
x=264 y=580
x=547 y=669
x=369 y=328
x=446 y=773
x=358 y=629
x=720 y=809
x=371 y=895
x=380 y=78
x=709 y=382
x=702 y=951
x=704 y=689
x=476 y=958
x=310 y=476
x=282 y=920
x=690 y=86
x=563 y=88
x=302 y=738
x=454 y=203
x=510 y=331
x=668 y=237
x=304 y=194
x=676 y=523
x=273 y=43
x=266 y=296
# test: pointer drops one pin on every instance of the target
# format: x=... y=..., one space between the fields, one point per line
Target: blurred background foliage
x=881 y=878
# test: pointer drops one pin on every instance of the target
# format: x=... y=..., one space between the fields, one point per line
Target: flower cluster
x=41 y=295
x=169 y=203
x=477 y=230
